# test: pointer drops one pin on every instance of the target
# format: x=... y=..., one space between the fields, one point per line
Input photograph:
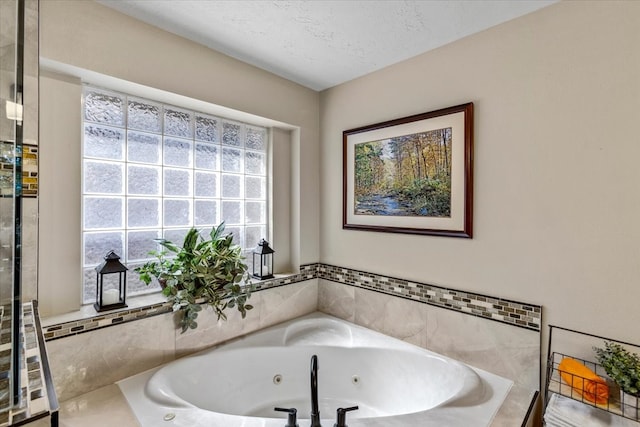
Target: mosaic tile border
x=61 y=330
x=506 y=311
x=36 y=397
x=29 y=169
x=5 y=360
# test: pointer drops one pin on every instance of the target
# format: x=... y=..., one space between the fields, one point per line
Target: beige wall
x=89 y=36
x=556 y=99
x=60 y=261
x=556 y=96
x=557 y=103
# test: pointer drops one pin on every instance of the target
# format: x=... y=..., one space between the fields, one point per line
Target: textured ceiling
x=320 y=44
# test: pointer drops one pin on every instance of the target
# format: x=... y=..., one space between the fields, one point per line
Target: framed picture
x=411 y=175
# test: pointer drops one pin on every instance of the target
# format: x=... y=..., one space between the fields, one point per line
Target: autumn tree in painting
x=370 y=169
x=406 y=175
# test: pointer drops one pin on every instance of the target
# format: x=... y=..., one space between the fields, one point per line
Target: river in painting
x=377 y=204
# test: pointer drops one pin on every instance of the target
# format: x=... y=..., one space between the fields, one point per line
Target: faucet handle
x=291 y=418
x=341 y=416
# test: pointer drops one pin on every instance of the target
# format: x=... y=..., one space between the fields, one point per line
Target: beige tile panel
x=271 y=306
x=288 y=302
x=212 y=331
x=85 y=362
x=515 y=407
x=496 y=347
x=397 y=317
x=336 y=299
x=104 y=407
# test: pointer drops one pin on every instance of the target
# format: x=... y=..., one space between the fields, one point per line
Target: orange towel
x=582 y=379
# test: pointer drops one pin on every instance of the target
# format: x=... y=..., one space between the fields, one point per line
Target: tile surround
x=99 y=321
x=35 y=400
x=442 y=320
x=397 y=317
x=104 y=407
x=270 y=307
x=62 y=330
x=356 y=296
x=510 y=352
x=514 y=313
x=82 y=363
x=499 y=348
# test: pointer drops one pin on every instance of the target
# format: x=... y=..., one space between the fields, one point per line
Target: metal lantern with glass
x=263 y=261
x=111 y=283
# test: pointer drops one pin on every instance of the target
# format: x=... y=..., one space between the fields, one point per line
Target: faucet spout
x=315 y=412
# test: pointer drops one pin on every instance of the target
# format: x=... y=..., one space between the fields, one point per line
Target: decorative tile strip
x=104 y=320
x=5 y=362
x=511 y=312
x=34 y=402
x=307 y=272
x=506 y=311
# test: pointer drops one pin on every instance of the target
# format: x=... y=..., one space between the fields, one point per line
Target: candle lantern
x=113 y=275
x=263 y=261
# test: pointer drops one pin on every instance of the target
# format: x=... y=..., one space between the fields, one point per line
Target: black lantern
x=112 y=274
x=263 y=261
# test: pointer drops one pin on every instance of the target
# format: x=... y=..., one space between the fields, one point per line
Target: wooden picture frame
x=411 y=175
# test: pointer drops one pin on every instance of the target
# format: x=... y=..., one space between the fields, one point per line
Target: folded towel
x=583 y=380
x=564 y=412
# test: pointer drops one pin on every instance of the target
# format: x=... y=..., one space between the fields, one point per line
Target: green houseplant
x=203 y=271
x=623 y=367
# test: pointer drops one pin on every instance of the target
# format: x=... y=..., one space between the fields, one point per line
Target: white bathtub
x=238 y=384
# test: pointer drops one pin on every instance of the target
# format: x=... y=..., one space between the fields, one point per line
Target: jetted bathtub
x=392 y=382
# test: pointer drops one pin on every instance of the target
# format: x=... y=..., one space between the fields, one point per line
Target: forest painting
x=408 y=175
x=411 y=175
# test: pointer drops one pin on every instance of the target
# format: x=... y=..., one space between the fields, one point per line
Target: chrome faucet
x=315 y=412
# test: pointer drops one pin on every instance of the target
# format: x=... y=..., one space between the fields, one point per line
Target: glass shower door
x=11 y=51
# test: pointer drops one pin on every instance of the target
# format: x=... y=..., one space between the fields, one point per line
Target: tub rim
x=496 y=387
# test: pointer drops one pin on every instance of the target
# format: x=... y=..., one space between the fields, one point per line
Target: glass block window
x=153 y=171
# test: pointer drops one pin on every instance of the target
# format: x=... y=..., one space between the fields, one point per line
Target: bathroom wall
x=60 y=209
x=88 y=36
x=556 y=99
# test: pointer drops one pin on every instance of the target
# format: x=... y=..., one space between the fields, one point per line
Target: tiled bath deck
x=514 y=313
x=85 y=404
